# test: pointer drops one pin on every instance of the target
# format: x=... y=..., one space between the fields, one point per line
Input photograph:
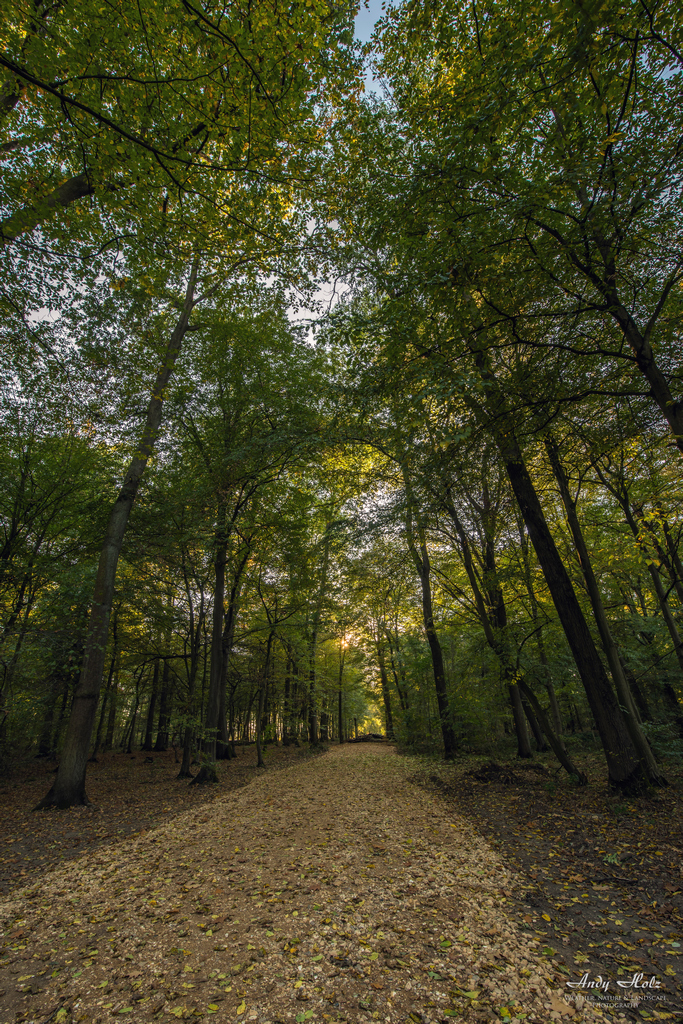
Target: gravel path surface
x=332 y=890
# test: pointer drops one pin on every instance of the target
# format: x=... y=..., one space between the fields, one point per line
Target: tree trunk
x=313 y=738
x=340 y=694
x=110 y=689
x=224 y=748
x=639 y=697
x=547 y=678
x=111 y=718
x=62 y=715
x=558 y=748
x=497 y=642
x=402 y=695
x=133 y=723
x=188 y=737
x=622 y=761
x=45 y=748
x=541 y=745
x=149 y=727
x=623 y=765
x=386 y=693
x=129 y=731
x=68 y=788
x=619 y=490
x=611 y=649
x=422 y=564
x=660 y=391
x=676 y=566
x=77 y=187
x=286 y=697
x=260 y=763
x=103 y=712
x=162 y=739
x=523 y=745
x=207 y=772
x=674 y=705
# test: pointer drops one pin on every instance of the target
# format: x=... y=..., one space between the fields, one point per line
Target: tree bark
x=164 y=709
x=384 y=681
x=313 y=737
x=660 y=391
x=622 y=761
x=188 y=737
x=610 y=647
x=541 y=745
x=260 y=763
x=224 y=748
x=207 y=772
x=495 y=641
x=618 y=488
x=151 y=708
x=623 y=765
x=547 y=678
x=558 y=748
x=422 y=564
x=44 y=743
x=402 y=694
x=111 y=718
x=26 y=219
x=340 y=693
x=68 y=788
x=105 y=702
x=523 y=746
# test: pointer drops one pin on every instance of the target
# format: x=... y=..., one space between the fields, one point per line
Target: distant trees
x=452 y=505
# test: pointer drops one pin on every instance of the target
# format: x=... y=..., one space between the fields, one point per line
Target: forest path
x=331 y=890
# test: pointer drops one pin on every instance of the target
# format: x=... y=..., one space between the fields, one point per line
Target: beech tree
x=445 y=498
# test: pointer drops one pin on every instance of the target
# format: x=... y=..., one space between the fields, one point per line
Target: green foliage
x=506 y=223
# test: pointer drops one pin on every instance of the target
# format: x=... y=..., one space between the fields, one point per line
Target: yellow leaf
x=241 y=1008
x=546 y=917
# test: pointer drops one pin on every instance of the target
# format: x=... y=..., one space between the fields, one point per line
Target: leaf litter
x=600 y=875
x=332 y=890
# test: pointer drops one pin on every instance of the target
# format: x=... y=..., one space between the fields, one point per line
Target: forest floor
x=356 y=886
x=600 y=876
x=130 y=793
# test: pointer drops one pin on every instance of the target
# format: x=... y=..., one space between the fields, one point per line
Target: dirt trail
x=332 y=890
